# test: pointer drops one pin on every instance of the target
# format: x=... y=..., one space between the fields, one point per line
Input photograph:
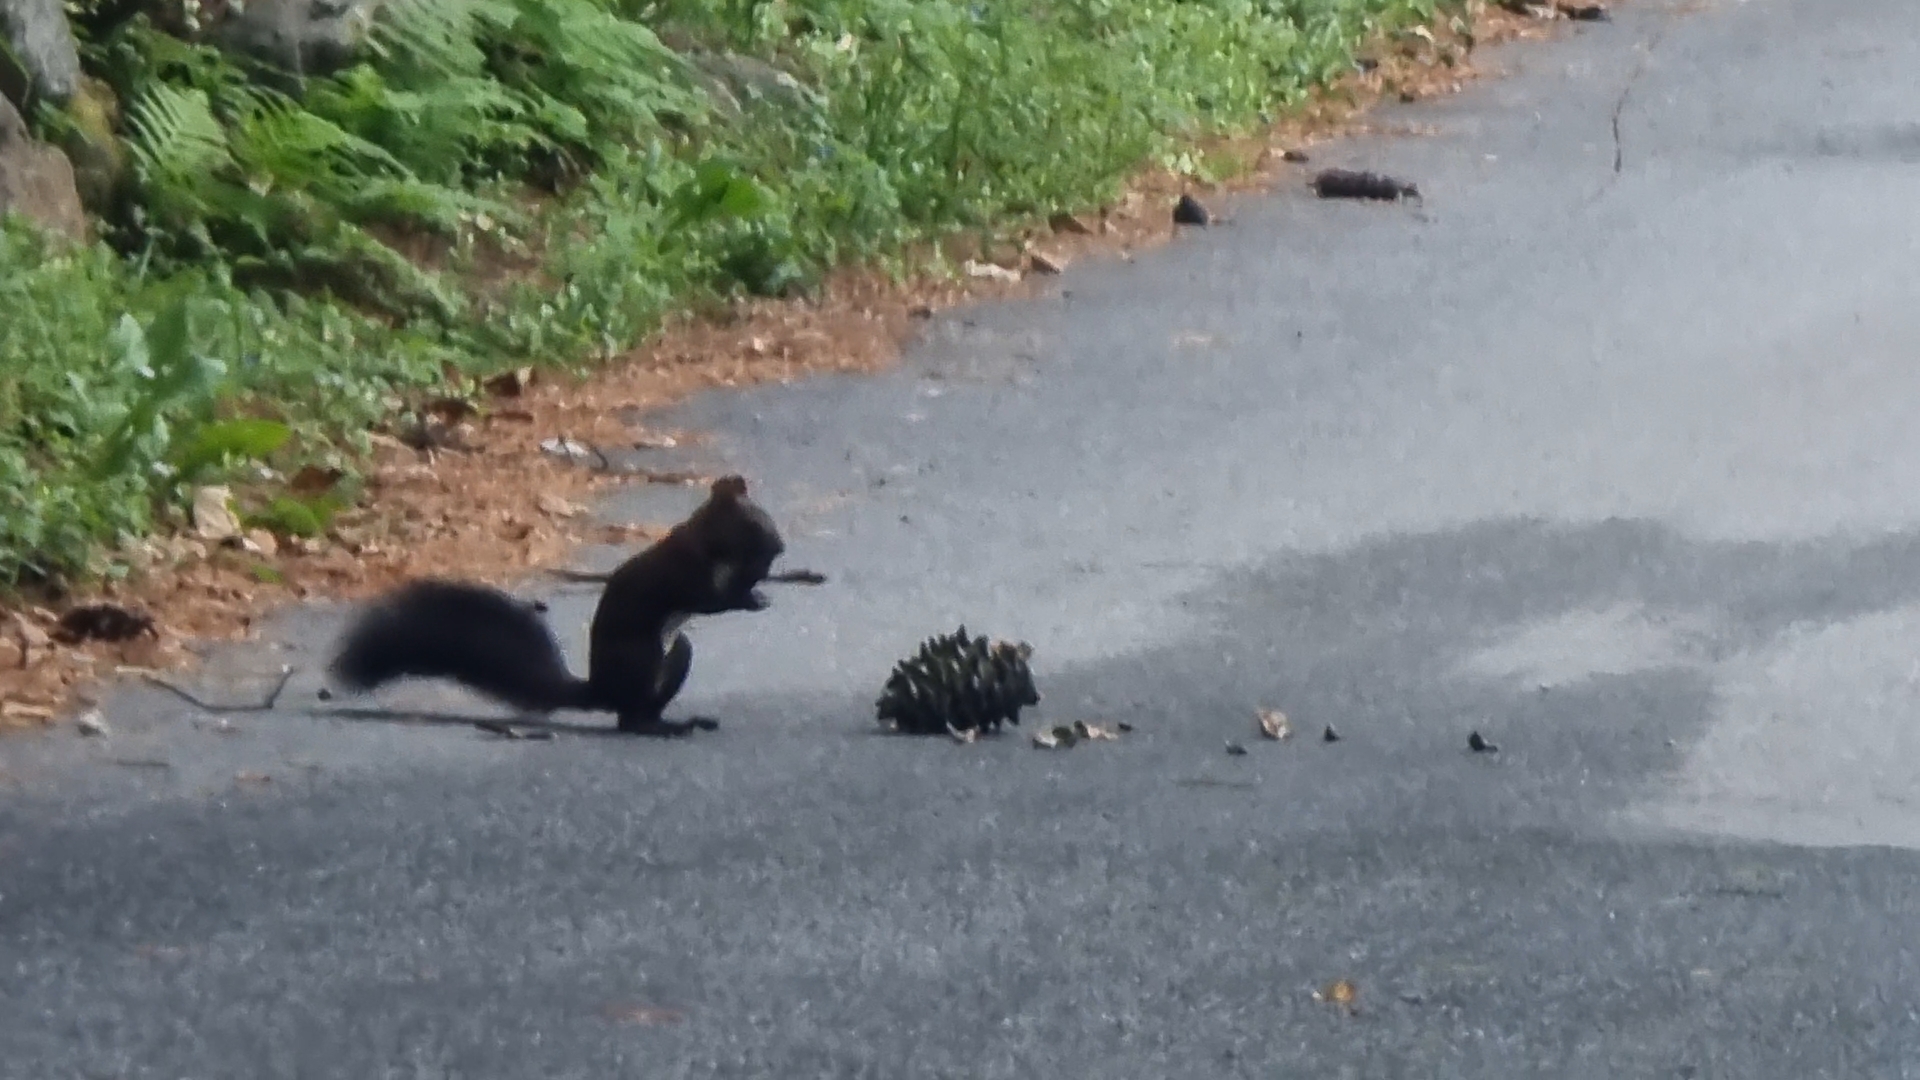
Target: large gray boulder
x=40 y=61
x=306 y=37
x=737 y=83
x=36 y=180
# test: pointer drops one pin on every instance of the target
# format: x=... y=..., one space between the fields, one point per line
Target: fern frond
x=434 y=130
x=440 y=208
x=382 y=275
x=273 y=137
x=424 y=41
x=614 y=71
x=142 y=55
x=176 y=136
x=179 y=149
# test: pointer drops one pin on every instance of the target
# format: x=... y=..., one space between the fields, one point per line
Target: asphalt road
x=1605 y=451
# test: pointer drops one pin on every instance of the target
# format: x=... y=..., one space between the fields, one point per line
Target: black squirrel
x=638 y=659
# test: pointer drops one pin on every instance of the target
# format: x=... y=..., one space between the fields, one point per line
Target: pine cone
x=956 y=684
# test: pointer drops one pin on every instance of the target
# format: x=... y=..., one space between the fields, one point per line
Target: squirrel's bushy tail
x=477 y=636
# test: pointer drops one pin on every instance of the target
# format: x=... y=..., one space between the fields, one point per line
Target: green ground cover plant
x=259 y=298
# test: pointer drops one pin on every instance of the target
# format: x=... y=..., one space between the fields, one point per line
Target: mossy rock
x=36 y=180
x=100 y=162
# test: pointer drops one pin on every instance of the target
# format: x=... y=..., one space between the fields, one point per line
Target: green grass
x=245 y=315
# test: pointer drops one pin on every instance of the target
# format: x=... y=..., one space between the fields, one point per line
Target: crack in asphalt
x=1619 y=106
x=1646 y=50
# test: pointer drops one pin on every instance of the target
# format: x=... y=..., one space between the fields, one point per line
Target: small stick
x=265 y=705
x=510 y=731
x=606 y=466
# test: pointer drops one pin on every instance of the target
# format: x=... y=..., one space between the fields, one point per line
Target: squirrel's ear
x=730 y=487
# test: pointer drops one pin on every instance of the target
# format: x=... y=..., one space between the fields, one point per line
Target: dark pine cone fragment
x=957 y=683
x=1348 y=184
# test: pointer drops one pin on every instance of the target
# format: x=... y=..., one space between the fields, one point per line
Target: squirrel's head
x=739 y=542
x=736 y=529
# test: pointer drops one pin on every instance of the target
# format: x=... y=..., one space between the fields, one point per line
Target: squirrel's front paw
x=751 y=600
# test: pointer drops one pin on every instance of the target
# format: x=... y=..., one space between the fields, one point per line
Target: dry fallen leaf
x=388 y=447
x=413 y=472
x=1341 y=992
x=314 y=480
x=436 y=434
x=30 y=636
x=555 y=506
x=1070 y=223
x=1047 y=264
x=566 y=447
x=459 y=437
x=619 y=532
x=510 y=383
x=1274 y=724
x=213 y=513
x=450 y=410
x=992 y=271
x=1092 y=732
